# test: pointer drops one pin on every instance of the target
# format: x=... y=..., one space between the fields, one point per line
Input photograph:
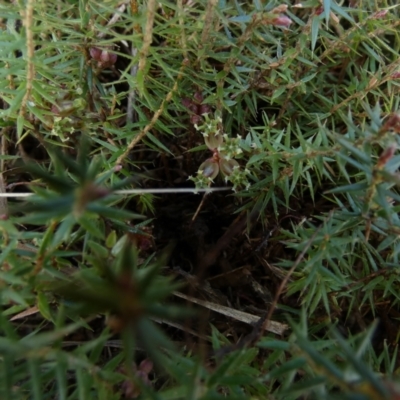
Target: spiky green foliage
x=94 y=92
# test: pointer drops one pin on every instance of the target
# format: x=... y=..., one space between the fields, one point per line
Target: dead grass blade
x=273 y=326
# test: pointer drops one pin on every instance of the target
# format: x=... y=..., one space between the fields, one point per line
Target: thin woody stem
x=148 y=34
x=30 y=49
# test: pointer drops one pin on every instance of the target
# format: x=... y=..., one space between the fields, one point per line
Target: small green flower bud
x=201 y=181
x=238 y=178
x=211 y=131
x=231 y=147
x=79 y=103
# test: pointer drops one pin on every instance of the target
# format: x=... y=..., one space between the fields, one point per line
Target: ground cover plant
x=213 y=207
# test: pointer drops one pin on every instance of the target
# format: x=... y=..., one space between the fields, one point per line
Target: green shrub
x=298 y=104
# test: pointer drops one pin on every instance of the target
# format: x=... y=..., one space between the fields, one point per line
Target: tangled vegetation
x=199 y=199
